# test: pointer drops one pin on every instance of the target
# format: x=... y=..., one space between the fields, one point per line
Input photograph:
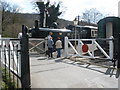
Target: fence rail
x=37 y=45
x=94 y=46
x=10 y=61
x=14 y=57
x=74 y=47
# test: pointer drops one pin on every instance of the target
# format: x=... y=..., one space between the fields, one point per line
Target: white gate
x=37 y=45
x=10 y=57
x=71 y=50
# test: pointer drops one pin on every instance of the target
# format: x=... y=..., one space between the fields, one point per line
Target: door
x=109 y=29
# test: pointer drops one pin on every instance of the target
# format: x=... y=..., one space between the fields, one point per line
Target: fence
x=37 y=45
x=95 y=50
x=10 y=58
x=15 y=61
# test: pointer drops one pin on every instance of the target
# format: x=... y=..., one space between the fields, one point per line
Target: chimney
x=36 y=24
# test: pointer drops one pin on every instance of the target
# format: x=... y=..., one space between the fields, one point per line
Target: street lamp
x=75 y=23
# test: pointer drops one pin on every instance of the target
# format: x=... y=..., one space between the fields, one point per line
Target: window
x=93 y=33
x=60 y=33
x=68 y=34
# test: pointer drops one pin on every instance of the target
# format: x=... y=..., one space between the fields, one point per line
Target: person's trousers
x=58 y=52
x=50 y=50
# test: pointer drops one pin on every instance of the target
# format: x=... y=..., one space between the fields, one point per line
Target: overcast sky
x=75 y=7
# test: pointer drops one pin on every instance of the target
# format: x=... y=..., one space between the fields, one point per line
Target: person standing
x=50 y=47
x=46 y=42
x=50 y=35
x=58 y=47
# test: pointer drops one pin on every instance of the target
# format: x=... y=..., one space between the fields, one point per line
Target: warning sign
x=85 y=48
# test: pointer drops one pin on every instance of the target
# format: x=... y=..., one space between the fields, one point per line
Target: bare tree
x=92 y=15
x=5 y=8
x=9 y=17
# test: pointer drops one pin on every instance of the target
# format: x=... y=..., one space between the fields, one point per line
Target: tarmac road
x=64 y=73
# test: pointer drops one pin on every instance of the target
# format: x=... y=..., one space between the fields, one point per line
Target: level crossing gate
x=14 y=60
x=38 y=45
x=90 y=48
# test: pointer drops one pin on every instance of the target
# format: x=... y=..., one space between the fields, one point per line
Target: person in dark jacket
x=50 y=47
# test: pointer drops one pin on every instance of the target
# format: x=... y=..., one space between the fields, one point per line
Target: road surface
x=64 y=73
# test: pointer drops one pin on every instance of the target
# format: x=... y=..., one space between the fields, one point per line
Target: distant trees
x=92 y=15
x=48 y=14
x=5 y=16
x=9 y=18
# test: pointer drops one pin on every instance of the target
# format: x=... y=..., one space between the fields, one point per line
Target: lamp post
x=75 y=23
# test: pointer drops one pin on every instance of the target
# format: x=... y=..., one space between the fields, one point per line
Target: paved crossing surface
x=64 y=73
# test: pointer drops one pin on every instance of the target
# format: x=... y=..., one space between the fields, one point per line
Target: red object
x=85 y=48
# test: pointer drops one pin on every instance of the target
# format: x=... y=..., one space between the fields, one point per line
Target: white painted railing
x=92 y=47
x=10 y=56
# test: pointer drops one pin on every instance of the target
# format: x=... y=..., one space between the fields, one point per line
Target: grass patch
x=7 y=81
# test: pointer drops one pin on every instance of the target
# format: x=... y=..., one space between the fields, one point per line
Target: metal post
x=66 y=46
x=75 y=23
x=75 y=38
x=25 y=66
x=93 y=47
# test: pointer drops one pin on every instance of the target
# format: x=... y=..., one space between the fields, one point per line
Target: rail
x=10 y=59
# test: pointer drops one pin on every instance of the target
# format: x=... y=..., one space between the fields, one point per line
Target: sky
x=74 y=8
